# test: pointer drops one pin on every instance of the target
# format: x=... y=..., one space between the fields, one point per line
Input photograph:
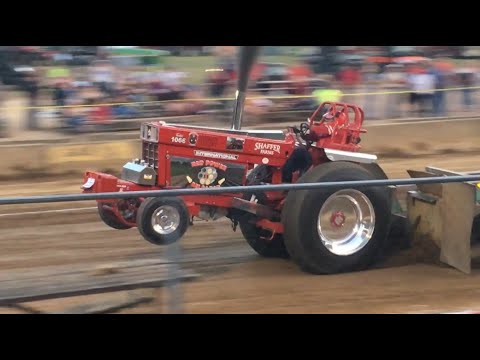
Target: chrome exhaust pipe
x=248 y=54
x=238 y=112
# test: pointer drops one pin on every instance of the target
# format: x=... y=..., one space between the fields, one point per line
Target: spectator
x=395 y=80
x=59 y=73
x=33 y=90
x=439 y=101
x=330 y=94
x=371 y=78
x=137 y=94
x=300 y=73
x=422 y=85
x=227 y=63
x=466 y=79
x=101 y=114
x=75 y=117
x=173 y=78
x=349 y=79
x=60 y=93
x=188 y=107
x=258 y=106
x=103 y=76
x=218 y=81
x=122 y=109
x=3 y=122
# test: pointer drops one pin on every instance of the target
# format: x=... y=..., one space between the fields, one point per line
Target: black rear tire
x=254 y=235
x=300 y=216
x=400 y=229
x=147 y=210
x=109 y=218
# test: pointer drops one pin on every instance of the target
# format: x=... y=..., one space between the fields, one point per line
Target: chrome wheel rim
x=165 y=220
x=346 y=222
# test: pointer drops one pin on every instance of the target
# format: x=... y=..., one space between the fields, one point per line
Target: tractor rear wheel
x=257 y=237
x=331 y=230
x=162 y=220
x=400 y=228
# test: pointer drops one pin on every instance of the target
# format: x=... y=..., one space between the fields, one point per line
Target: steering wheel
x=303 y=131
x=304 y=128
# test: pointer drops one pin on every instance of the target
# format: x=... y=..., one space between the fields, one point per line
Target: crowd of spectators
x=421 y=88
x=102 y=93
x=105 y=93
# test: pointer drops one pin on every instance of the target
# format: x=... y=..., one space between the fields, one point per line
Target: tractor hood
x=253 y=146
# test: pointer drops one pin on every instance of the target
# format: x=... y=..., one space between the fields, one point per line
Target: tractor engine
x=181 y=156
x=178 y=156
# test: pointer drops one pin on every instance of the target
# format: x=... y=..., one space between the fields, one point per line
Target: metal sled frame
x=443 y=214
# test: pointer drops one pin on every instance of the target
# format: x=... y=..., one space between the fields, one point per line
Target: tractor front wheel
x=162 y=221
x=331 y=231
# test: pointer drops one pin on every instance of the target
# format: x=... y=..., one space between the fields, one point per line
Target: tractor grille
x=150 y=154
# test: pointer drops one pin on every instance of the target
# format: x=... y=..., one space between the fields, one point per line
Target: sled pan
x=441 y=217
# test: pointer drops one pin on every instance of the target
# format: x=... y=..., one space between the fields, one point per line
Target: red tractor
x=323 y=230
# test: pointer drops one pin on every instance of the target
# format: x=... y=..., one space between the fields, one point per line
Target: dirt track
x=235 y=279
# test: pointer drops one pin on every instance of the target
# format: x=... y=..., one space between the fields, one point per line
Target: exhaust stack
x=247 y=56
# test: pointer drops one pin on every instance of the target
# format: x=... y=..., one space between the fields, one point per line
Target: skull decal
x=207 y=175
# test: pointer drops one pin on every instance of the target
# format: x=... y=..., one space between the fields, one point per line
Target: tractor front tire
x=110 y=219
x=162 y=220
x=257 y=237
x=335 y=230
